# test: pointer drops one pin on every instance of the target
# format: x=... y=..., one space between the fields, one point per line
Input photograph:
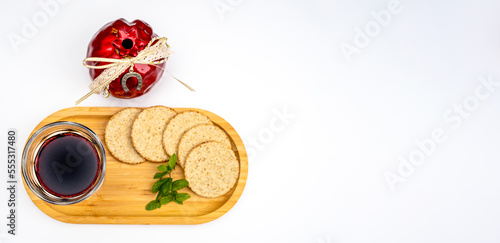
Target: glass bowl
x=49 y=166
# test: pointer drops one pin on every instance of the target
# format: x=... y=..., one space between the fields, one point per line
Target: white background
x=322 y=177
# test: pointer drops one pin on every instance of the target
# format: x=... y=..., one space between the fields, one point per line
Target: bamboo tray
x=127 y=188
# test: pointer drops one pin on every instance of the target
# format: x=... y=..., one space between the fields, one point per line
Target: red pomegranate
x=122 y=39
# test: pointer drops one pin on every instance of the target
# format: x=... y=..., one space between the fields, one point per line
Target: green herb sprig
x=166 y=187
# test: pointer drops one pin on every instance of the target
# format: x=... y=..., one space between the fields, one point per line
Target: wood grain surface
x=127 y=188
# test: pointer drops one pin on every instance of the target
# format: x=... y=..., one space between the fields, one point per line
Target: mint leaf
x=170 y=197
x=162 y=168
x=166 y=199
x=151 y=205
x=166 y=187
x=160 y=175
x=157 y=185
x=172 y=162
x=181 y=197
x=179 y=184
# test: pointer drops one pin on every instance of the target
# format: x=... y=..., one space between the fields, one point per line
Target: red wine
x=67 y=165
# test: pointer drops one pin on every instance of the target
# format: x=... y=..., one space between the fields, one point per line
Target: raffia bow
x=153 y=54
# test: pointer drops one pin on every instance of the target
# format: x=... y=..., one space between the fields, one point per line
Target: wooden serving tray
x=127 y=188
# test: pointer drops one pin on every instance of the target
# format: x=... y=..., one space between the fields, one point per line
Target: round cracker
x=117 y=136
x=197 y=135
x=147 y=132
x=178 y=125
x=212 y=169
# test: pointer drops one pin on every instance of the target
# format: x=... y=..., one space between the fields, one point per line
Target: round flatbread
x=117 y=136
x=147 y=132
x=197 y=135
x=178 y=125
x=212 y=169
